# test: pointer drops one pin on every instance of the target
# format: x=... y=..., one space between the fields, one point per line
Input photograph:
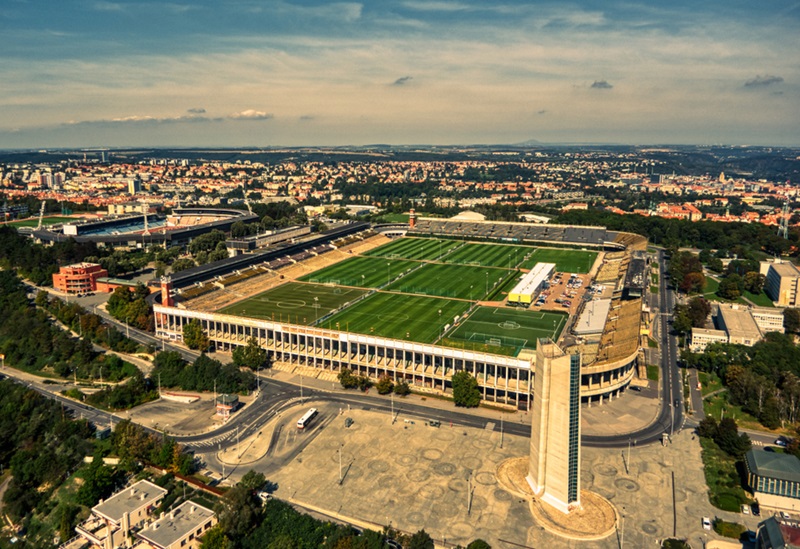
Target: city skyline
x=246 y=73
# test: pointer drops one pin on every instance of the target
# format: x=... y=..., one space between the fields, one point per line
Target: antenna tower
x=783 y=227
x=41 y=215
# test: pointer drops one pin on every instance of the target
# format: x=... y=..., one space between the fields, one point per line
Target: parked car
x=745 y=509
x=781 y=441
x=706 y=523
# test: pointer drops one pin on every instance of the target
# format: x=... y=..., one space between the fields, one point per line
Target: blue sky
x=272 y=73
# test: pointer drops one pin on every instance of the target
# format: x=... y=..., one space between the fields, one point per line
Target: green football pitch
x=363 y=272
x=415 y=318
x=513 y=329
x=492 y=255
x=567 y=261
x=294 y=303
x=456 y=281
x=430 y=249
x=34 y=221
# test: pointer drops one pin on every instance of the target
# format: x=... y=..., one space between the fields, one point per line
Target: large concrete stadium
x=177 y=228
x=430 y=301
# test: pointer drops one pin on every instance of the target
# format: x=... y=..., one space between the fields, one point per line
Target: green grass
x=654 y=277
x=491 y=255
x=724 y=485
x=709 y=382
x=293 y=302
x=653 y=289
x=567 y=261
x=711 y=286
x=714 y=405
x=500 y=291
x=652 y=343
x=652 y=372
x=34 y=221
x=511 y=328
x=761 y=299
x=456 y=281
x=363 y=272
x=414 y=248
x=393 y=218
x=415 y=318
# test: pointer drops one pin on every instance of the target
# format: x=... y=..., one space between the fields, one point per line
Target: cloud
x=196 y=110
x=601 y=85
x=108 y=6
x=766 y=80
x=251 y=114
x=306 y=118
x=543 y=111
x=142 y=119
x=435 y=6
x=403 y=80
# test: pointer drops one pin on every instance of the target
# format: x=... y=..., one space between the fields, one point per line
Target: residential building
x=782 y=283
x=554 y=466
x=774 y=479
x=181 y=528
x=703 y=337
x=112 y=520
x=78 y=279
x=739 y=324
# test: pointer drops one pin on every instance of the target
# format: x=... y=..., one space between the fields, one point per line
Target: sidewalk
x=632 y=412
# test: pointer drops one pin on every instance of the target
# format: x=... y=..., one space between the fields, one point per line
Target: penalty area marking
x=290 y=304
x=386 y=317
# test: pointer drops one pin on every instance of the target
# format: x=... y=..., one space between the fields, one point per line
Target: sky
x=236 y=73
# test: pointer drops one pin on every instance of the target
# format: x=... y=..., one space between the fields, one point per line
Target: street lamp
x=487 y=282
x=387 y=273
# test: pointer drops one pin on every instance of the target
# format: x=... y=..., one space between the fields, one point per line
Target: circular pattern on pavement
x=444 y=469
x=651 y=528
x=378 y=466
x=405 y=459
x=501 y=495
x=472 y=463
x=486 y=478
x=431 y=492
x=461 y=530
x=496 y=457
x=607 y=470
x=587 y=478
x=418 y=475
x=458 y=485
x=482 y=444
x=432 y=454
x=415 y=518
x=444 y=436
x=627 y=485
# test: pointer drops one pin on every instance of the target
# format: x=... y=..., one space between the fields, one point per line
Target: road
x=671 y=417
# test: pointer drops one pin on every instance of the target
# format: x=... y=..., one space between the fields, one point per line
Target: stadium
x=137 y=231
x=433 y=297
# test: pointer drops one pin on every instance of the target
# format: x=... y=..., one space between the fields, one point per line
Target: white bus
x=304 y=421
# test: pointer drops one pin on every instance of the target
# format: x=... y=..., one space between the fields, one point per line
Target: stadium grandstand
x=134 y=231
x=304 y=335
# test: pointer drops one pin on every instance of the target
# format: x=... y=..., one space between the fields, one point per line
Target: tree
x=754 y=282
x=420 y=540
x=681 y=321
x=384 y=385
x=253 y=480
x=731 y=287
x=465 y=390
x=791 y=320
x=401 y=388
x=251 y=356
x=479 y=544
x=216 y=539
x=698 y=311
x=729 y=439
x=193 y=335
x=347 y=379
x=693 y=283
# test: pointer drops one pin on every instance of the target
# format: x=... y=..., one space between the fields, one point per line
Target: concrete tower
x=554 y=467
x=412 y=218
